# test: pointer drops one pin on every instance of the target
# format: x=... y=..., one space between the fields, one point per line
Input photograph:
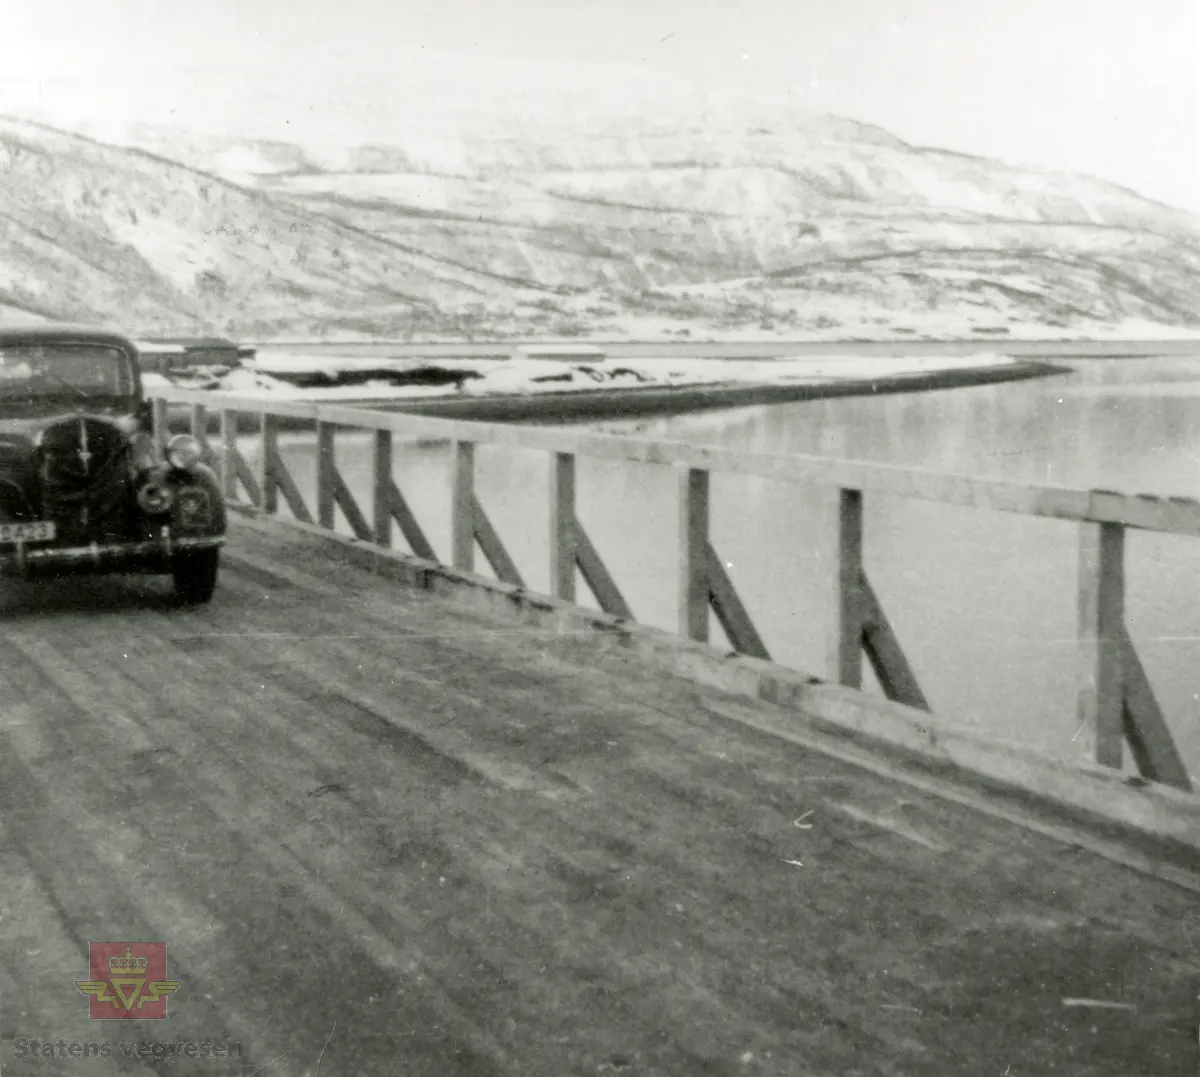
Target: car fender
x=203 y=477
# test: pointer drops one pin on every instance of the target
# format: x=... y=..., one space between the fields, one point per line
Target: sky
x=1105 y=87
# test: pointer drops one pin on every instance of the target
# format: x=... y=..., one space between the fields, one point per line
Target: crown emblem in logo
x=128 y=965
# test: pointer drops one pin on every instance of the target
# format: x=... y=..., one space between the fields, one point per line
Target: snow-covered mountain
x=93 y=232
x=718 y=222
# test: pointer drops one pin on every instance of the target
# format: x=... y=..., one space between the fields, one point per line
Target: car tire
x=195 y=575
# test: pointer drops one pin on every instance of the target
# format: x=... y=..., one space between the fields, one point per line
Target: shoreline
x=607 y=404
x=1033 y=348
x=633 y=401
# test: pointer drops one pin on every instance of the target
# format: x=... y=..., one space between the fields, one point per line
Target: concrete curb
x=1092 y=795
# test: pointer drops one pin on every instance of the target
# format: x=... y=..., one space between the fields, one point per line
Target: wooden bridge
x=1115 y=699
x=397 y=816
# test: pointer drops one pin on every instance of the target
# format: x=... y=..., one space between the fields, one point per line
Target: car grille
x=18 y=495
x=84 y=480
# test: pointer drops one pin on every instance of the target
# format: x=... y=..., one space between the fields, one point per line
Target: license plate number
x=35 y=531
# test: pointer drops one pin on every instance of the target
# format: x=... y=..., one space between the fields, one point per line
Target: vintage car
x=84 y=485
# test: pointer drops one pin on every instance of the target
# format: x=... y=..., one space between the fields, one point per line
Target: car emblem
x=84 y=455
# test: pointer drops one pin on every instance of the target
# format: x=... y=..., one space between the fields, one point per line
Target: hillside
x=90 y=232
x=780 y=224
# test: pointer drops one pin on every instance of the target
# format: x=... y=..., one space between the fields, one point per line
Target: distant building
x=187 y=353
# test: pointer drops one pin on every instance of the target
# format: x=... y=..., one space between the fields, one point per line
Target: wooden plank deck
x=385 y=835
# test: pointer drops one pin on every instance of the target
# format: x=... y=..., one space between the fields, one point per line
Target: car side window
x=15 y=368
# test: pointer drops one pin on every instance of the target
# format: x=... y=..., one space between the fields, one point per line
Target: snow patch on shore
x=269 y=377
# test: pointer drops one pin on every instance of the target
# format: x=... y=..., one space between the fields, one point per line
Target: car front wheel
x=195 y=574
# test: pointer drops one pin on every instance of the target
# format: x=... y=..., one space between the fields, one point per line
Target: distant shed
x=564 y=353
x=160 y=358
x=187 y=353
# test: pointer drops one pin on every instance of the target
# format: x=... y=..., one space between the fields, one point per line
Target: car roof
x=64 y=331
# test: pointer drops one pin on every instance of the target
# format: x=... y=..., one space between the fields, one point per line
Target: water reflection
x=984 y=603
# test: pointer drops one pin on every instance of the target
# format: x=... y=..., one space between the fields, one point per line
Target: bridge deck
x=384 y=835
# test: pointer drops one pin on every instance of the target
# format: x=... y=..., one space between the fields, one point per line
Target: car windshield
x=81 y=372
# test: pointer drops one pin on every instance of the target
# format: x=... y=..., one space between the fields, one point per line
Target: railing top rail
x=1172 y=515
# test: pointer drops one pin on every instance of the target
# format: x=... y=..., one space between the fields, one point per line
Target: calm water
x=984 y=603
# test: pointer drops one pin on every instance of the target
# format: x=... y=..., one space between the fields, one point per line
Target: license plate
x=35 y=531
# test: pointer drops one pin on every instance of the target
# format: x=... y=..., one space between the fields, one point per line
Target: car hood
x=23 y=430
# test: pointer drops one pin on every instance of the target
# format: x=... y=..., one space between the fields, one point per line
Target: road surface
x=383 y=835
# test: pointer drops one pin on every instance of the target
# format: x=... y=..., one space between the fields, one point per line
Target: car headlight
x=184 y=452
x=154 y=498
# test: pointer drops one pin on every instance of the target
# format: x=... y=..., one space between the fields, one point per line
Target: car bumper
x=149 y=555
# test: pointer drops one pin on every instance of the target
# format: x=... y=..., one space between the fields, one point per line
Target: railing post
x=325 y=468
x=382 y=488
x=270 y=446
x=198 y=425
x=462 y=520
x=693 y=554
x=563 y=540
x=158 y=412
x=229 y=475
x=845 y=658
x=1101 y=624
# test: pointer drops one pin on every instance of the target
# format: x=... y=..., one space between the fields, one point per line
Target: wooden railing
x=1114 y=694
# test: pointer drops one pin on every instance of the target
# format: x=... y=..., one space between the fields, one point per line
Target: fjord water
x=984 y=603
